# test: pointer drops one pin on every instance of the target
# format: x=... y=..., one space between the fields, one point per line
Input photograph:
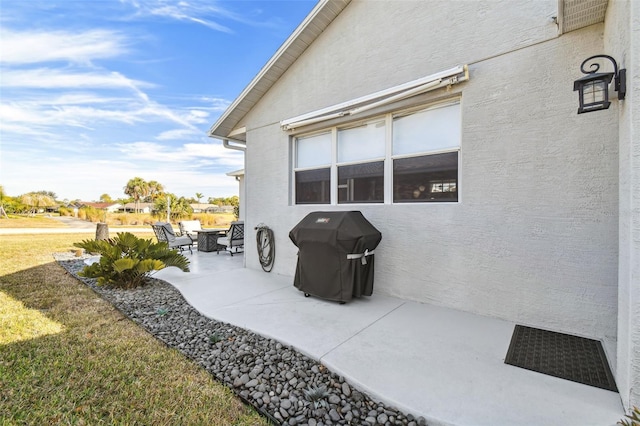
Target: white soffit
x=576 y=14
x=236 y=173
x=383 y=97
x=313 y=25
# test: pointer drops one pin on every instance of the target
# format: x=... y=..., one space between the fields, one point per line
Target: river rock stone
x=262 y=371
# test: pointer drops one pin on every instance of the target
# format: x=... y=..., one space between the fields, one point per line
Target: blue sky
x=95 y=92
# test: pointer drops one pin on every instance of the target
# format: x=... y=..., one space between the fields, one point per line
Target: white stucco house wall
x=453 y=127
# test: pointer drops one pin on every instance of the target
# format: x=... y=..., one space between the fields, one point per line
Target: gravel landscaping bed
x=281 y=383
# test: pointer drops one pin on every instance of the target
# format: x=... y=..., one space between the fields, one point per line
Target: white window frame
x=388 y=159
x=294 y=159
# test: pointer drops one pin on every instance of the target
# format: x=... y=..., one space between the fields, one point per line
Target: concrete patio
x=430 y=361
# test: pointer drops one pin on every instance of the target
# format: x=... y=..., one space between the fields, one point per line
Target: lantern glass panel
x=595 y=92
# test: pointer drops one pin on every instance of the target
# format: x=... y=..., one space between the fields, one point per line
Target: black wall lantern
x=593 y=88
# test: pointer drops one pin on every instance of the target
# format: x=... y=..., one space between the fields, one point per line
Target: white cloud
x=203 y=13
x=199 y=113
x=67 y=112
x=47 y=78
x=177 y=134
x=43 y=113
x=190 y=153
x=79 y=94
x=217 y=104
x=48 y=46
x=88 y=178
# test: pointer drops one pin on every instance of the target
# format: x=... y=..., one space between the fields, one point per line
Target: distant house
x=453 y=127
x=204 y=208
x=225 y=209
x=108 y=207
x=142 y=207
x=53 y=209
x=210 y=208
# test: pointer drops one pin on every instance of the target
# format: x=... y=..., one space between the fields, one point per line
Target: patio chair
x=189 y=228
x=233 y=239
x=164 y=232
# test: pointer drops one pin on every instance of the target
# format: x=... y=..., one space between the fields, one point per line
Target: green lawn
x=68 y=357
x=38 y=221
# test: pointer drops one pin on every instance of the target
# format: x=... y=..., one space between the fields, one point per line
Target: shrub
x=127 y=261
x=92 y=214
x=214 y=219
x=179 y=208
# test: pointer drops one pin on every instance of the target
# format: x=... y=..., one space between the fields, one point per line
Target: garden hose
x=266 y=246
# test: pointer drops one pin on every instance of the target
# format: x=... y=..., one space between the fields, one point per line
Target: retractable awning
x=383 y=97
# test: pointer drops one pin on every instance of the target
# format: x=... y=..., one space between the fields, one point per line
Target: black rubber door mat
x=560 y=355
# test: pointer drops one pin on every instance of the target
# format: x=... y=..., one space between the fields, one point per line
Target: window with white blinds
x=405 y=157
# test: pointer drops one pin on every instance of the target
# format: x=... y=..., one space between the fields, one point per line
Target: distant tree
x=156 y=190
x=234 y=201
x=179 y=207
x=124 y=201
x=3 y=212
x=137 y=188
x=11 y=205
x=216 y=201
x=47 y=193
x=106 y=198
x=37 y=200
x=199 y=196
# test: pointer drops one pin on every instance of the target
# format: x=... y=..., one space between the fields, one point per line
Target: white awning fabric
x=383 y=97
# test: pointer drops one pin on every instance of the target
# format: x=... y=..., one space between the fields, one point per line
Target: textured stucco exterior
x=534 y=238
x=622 y=40
x=547 y=228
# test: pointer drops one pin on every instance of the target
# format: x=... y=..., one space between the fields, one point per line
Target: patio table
x=208 y=239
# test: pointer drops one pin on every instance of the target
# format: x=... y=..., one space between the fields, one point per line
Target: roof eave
x=311 y=27
x=577 y=14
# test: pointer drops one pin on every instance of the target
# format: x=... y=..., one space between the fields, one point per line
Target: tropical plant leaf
x=149 y=265
x=124 y=264
x=126 y=261
x=634 y=416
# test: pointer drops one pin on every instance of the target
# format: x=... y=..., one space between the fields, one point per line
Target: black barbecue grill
x=336 y=255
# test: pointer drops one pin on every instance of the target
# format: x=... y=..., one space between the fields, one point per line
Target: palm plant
x=127 y=261
x=137 y=188
x=179 y=207
x=155 y=190
x=35 y=200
